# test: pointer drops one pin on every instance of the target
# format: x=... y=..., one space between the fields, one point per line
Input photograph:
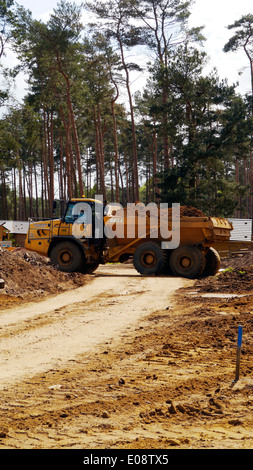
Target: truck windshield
x=76 y=210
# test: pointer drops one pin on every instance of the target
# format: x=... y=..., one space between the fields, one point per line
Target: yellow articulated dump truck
x=160 y=241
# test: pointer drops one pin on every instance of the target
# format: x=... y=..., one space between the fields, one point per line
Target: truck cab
x=74 y=241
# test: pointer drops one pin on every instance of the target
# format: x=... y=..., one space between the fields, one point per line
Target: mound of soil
x=240 y=261
x=229 y=281
x=28 y=275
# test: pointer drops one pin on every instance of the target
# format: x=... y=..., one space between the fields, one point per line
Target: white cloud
x=40 y=10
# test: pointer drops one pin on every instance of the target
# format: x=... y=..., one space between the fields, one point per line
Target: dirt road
x=127 y=362
x=42 y=335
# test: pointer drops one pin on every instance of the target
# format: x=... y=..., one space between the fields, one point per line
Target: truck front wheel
x=67 y=257
x=187 y=261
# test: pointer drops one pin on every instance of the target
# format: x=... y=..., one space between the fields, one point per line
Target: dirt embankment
x=245 y=259
x=28 y=276
x=236 y=277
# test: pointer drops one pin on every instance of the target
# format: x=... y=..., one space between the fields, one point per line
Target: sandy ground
x=127 y=362
x=42 y=335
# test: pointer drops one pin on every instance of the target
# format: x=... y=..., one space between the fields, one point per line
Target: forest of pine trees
x=185 y=137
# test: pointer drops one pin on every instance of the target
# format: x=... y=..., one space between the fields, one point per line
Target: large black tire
x=167 y=269
x=187 y=261
x=89 y=268
x=213 y=263
x=67 y=257
x=149 y=259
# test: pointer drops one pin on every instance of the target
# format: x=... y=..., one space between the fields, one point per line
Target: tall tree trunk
x=4 y=196
x=36 y=191
x=156 y=190
x=112 y=188
x=122 y=187
x=135 y=156
x=97 y=149
x=49 y=129
x=45 y=163
x=165 y=131
x=20 y=188
x=14 y=194
x=61 y=191
x=237 y=179
x=67 y=152
x=115 y=139
x=102 y=153
x=42 y=189
x=24 y=196
x=29 y=179
x=99 y=152
x=127 y=180
x=73 y=122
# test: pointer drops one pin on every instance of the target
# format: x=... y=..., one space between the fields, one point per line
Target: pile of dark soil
x=242 y=260
x=231 y=280
x=26 y=274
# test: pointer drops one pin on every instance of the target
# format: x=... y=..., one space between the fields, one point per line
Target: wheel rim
x=148 y=259
x=65 y=257
x=185 y=262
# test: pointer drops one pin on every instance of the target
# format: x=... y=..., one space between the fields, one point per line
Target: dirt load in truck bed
x=185 y=211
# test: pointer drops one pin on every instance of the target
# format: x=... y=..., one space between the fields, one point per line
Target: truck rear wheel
x=213 y=263
x=149 y=259
x=67 y=257
x=187 y=261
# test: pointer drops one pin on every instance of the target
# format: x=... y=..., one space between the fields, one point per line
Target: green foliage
x=189 y=133
x=243 y=36
x=209 y=129
x=243 y=39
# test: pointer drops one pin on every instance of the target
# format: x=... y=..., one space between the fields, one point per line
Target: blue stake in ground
x=239 y=348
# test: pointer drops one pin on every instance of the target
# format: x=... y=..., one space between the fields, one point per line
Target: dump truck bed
x=203 y=231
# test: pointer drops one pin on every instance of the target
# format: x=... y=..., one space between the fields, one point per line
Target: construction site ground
x=115 y=360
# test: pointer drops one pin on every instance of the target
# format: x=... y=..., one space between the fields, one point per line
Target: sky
x=215 y=15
